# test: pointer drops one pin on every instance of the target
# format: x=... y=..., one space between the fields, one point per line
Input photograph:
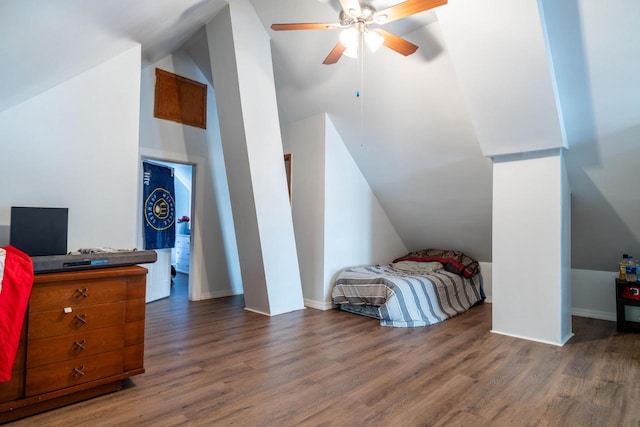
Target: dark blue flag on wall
x=158 y=205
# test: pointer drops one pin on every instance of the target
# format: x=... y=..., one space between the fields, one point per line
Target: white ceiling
x=44 y=43
x=414 y=129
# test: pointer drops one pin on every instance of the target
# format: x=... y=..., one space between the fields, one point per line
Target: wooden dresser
x=183 y=247
x=83 y=335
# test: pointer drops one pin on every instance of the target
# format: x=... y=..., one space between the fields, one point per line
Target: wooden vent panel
x=180 y=99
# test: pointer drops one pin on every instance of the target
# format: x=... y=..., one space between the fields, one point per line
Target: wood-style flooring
x=212 y=363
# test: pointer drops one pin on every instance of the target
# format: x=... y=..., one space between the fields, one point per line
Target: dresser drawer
x=182 y=253
x=73 y=346
x=53 y=323
x=182 y=242
x=73 y=372
x=73 y=294
x=182 y=264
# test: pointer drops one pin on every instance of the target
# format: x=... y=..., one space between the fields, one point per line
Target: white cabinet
x=183 y=243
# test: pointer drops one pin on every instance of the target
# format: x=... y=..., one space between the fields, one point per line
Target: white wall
x=357 y=230
x=486 y=269
x=592 y=292
x=76 y=146
x=339 y=222
x=305 y=140
x=183 y=183
x=214 y=269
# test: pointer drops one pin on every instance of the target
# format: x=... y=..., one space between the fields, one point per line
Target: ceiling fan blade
x=404 y=9
x=351 y=7
x=396 y=43
x=335 y=54
x=305 y=26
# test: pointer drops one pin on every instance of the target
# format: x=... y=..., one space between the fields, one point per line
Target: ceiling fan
x=357 y=20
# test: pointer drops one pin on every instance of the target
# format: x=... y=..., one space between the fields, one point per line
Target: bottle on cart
x=631 y=270
x=623 y=267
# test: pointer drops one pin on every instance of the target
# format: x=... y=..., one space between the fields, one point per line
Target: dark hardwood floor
x=213 y=363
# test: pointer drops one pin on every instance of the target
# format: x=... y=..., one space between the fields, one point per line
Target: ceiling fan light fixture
x=380 y=18
x=349 y=38
x=356 y=19
x=351 y=52
x=374 y=40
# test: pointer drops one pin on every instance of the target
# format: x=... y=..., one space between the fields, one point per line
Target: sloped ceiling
x=414 y=128
x=44 y=43
x=408 y=130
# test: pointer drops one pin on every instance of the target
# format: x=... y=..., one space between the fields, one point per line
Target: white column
x=531 y=247
x=252 y=144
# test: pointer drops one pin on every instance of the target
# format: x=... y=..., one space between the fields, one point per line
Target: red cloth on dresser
x=17 y=281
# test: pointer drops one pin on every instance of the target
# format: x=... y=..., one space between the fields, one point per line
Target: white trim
x=257 y=311
x=318 y=305
x=271 y=315
x=218 y=294
x=560 y=344
x=170 y=156
x=581 y=312
x=593 y=314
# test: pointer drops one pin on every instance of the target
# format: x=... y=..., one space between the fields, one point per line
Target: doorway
x=181 y=253
x=176 y=260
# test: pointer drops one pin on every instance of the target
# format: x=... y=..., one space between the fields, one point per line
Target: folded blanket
x=17 y=280
x=453 y=261
x=102 y=250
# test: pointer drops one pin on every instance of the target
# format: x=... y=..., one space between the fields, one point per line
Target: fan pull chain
x=361 y=91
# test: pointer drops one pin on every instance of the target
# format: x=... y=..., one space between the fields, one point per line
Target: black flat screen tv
x=39 y=231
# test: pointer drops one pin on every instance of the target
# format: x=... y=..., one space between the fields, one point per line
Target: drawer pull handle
x=80 y=345
x=78 y=372
x=82 y=292
x=82 y=318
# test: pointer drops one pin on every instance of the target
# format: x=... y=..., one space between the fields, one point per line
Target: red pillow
x=453 y=261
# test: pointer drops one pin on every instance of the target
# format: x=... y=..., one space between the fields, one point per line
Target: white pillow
x=418 y=267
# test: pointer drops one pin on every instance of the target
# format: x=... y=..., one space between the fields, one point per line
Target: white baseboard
x=593 y=314
x=218 y=294
x=559 y=344
x=318 y=305
x=582 y=312
x=257 y=311
x=324 y=306
x=273 y=314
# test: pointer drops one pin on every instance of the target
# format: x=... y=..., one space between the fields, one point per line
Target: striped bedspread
x=406 y=299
